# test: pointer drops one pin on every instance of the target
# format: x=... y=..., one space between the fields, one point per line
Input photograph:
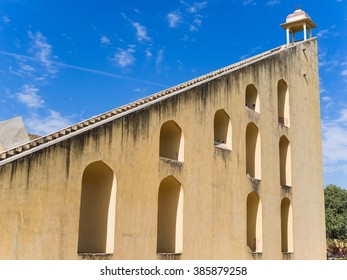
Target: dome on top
x=297 y=15
x=298 y=21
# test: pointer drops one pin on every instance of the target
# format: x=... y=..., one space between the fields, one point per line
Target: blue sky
x=65 y=61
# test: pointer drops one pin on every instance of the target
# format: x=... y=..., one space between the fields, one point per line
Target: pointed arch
x=171 y=144
x=283 y=103
x=285 y=162
x=97 y=209
x=222 y=129
x=170 y=216
x=252 y=98
x=286 y=226
x=253 y=151
x=254 y=222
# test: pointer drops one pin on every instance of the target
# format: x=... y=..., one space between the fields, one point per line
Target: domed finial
x=298 y=21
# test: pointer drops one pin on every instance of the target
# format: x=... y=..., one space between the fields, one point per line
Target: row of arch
x=98 y=197
x=172 y=145
x=171 y=136
x=253 y=155
x=253 y=101
x=98 y=214
x=254 y=224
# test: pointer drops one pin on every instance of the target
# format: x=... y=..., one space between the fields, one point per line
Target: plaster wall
x=40 y=193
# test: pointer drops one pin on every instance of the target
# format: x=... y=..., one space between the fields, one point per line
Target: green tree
x=336 y=212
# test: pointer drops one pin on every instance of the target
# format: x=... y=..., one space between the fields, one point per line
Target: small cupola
x=298 y=21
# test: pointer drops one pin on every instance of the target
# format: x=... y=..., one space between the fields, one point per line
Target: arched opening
x=252 y=98
x=285 y=162
x=170 y=216
x=283 y=103
x=171 y=141
x=254 y=222
x=286 y=226
x=222 y=129
x=97 y=210
x=253 y=151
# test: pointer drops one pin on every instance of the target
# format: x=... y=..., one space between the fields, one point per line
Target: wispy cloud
x=187 y=15
x=159 y=58
x=36 y=69
x=173 y=18
x=42 y=125
x=326 y=62
x=327 y=101
x=253 y=51
x=272 y=3
x=6 y=20
x=141 y=32
x=197 y=17
x=323 y=33
x=104 y=40
x=249 y=2
x=343 y=71
x=124 y=58
x=333 y=64
x=148 y=53
x=26 y=68
x=29 y=97
x=41 y=50
x=85 y=69
x=39 y=64
x=196 y=7
x=334 y=134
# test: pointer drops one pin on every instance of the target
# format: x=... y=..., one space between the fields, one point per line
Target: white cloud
x=44 y=125
x=325 y=63
x=193 y=28
x=29 y=97
x=253 y=51
x=327 y=101
x=334 y=133
x=174 y=19
x=336 y=174
x=160 y=57
x=197 y=21
x=273 y=3
x=124 y=58
x=104 y=40
x=148 y=53
x=42 y=50
x=6 y=20
x=196 y=7
x=189 y=15
x=322 y=33
x=88 y=70
x=333 y=64
x=26 y=68
x=249 y=2
x=343 y=117
x=141 y=32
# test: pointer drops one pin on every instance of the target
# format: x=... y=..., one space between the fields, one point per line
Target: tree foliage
x=336 y=212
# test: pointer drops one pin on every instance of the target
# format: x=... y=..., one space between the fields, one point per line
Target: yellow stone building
x=225 y=166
